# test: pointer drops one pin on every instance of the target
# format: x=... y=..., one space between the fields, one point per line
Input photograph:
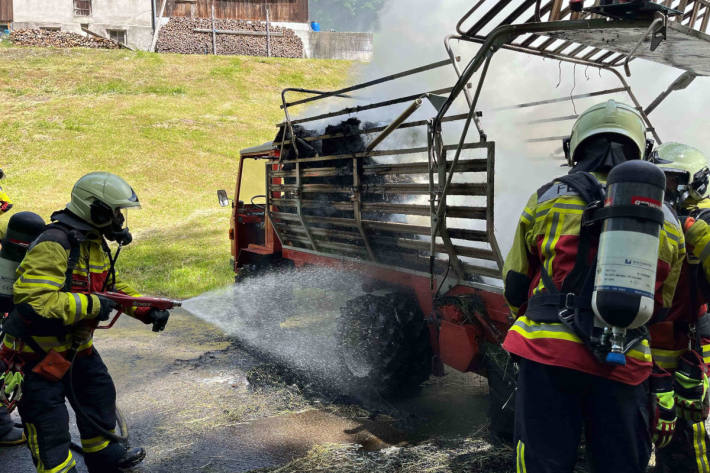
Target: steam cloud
x=411 y=34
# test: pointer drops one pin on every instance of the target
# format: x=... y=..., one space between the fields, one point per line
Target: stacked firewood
x=179 y=36
x=59 y=39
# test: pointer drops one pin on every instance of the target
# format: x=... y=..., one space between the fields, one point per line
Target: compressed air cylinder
x=22 y=229
x=628 y=248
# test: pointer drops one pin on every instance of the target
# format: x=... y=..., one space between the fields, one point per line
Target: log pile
x=59 y=39
x=178 y=36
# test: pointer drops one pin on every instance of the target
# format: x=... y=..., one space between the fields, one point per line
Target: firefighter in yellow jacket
x=52 y=325
x=679 y=342
x=565 y=387
x=9 y=434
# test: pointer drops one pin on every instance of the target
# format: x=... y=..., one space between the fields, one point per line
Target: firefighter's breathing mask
x=118 y=230
x=111 y=222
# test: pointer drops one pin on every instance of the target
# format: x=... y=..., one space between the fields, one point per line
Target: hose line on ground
x=123 y=428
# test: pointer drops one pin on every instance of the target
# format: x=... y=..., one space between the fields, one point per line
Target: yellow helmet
x=686 y=169
x=608 y=117
x=98 y=196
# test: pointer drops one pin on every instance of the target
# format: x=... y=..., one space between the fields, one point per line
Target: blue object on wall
x=315 y=26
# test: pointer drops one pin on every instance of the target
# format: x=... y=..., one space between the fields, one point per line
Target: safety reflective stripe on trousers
x=700 y=447
x=520 y=458
x=95 y=444
x=63 y=467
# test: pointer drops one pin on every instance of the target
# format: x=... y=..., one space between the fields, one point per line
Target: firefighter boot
x=9 y=434
x=14 y=437
x=114 y=459
x=131 y=458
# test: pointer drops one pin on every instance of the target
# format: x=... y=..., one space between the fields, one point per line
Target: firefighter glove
x=663 y=407
x=159 y=319
x=691 y=388
x=686 y=222
x=107 y=306
x=11 y=381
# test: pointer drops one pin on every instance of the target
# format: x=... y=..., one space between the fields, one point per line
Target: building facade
x=127 y=21
x=5 y=16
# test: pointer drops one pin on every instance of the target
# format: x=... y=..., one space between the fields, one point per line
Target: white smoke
x=412 y=34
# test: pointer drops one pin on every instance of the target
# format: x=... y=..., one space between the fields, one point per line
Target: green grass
x=171 y=125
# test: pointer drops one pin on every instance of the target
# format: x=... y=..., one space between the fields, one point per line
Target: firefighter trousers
x=687 y=452
x=46 y=419
x=555 y=406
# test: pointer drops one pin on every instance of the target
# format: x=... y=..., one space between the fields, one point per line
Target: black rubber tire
x=502 y=382
x=384 y=343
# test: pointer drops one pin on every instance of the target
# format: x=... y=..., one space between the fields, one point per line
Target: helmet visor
x=699 y=183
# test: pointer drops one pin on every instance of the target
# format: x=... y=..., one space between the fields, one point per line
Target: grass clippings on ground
x=470 y=455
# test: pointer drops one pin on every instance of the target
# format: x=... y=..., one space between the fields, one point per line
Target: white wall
x=134 y=16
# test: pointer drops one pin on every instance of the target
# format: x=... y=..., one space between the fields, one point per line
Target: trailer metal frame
x=439 y=259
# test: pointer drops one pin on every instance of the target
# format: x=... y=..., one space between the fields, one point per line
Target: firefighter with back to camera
x=51 y=328
x=681 y=343
x=596 y=255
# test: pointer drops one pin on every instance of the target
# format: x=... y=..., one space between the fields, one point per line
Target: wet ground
x=198 y=402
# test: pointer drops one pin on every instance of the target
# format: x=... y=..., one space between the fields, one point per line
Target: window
x=82 y=7
x=117 y=35
x=49 y=28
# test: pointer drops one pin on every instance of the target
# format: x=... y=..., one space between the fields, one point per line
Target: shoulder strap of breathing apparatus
x=571 y=304
x=23 y=322
x=540 y=308
x=75 y=238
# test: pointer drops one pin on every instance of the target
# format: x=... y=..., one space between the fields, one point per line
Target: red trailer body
x=336 y=197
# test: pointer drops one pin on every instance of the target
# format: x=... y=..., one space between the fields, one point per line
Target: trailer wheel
x=384 y=343
x=502 y=381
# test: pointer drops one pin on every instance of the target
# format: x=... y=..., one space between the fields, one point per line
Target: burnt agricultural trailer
x=410 y=202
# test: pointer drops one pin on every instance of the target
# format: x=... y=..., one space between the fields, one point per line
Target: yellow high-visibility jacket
x=59 y=317
x=670 y=338
x=5 y=202
x=548 y=235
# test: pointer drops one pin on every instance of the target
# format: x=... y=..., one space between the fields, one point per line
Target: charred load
x=337 y=178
